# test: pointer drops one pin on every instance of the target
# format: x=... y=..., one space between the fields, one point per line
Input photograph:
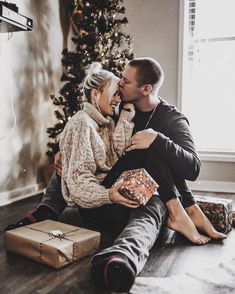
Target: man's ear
x=146 y=89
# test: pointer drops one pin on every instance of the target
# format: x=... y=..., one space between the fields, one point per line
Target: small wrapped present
x=137 y=185
x=53 y=243
x=218 y=211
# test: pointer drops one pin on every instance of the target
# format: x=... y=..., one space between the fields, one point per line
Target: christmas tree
x=98 y=27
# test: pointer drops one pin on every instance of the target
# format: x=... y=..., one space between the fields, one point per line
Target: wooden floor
x=171 y=255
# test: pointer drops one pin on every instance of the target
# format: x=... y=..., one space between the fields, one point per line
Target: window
x=208 y=73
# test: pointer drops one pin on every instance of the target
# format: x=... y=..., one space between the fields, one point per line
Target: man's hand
x=58 y=163
x=142 y=139
x=116 y=197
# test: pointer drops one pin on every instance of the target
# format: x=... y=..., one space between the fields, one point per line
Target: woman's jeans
x=140 y=226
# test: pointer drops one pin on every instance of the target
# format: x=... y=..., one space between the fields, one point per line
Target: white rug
x=218 y=280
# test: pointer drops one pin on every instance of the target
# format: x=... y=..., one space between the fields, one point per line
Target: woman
x=91 y=142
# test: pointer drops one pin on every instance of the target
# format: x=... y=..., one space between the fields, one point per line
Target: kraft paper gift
x=218 y=211
x=53 y=243
x=137 y=185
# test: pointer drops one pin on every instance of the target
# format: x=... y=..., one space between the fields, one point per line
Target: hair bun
x=95 y=67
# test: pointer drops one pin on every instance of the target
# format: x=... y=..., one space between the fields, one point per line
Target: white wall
x=153 y=24
x=29 y=73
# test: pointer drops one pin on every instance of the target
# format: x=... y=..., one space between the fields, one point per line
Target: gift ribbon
x=52 y=235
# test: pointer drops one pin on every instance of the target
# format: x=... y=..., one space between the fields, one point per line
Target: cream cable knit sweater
x=90 y=145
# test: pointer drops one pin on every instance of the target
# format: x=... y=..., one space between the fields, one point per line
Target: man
x=161 y=143
x=164 y=132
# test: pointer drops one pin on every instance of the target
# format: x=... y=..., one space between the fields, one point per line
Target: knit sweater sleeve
x=79 y=183
x=123 y=131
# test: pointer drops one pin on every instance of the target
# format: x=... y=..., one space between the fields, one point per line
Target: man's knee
x=54 y=184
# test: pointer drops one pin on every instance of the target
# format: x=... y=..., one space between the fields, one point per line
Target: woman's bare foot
x=202 y=223
x=179 y=221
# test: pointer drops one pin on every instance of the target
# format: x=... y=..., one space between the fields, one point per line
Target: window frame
x=216 y=156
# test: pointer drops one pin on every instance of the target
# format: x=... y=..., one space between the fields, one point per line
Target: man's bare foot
x=202 y=223
x=179 y=221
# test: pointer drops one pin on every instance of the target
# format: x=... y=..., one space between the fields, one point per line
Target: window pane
x=214 y=18
x=208 y=89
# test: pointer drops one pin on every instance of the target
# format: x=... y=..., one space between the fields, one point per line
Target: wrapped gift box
x=53 y=243
x=137 y=185
x=218 y=211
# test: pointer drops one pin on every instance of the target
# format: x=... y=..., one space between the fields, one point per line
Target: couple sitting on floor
x=95 y=149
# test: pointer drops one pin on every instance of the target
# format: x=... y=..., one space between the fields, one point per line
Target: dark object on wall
x=65 y=9
x=11 y=20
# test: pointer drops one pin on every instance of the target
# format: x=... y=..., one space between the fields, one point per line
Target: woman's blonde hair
x=98 y=78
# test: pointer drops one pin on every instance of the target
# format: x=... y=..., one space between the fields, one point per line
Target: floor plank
x=171 y=255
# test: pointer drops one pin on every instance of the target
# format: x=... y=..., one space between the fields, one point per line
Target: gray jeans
x=141 y=225
x=140 y=233
x=53 y=197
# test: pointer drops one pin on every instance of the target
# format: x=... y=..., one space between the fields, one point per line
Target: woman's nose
x=116 y=98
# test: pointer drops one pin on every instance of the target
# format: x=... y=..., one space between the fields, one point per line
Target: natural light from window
x=208 y=78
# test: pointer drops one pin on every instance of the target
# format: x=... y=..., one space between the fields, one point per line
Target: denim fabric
x=53 y=197
x=137 y=235
x=140 y=234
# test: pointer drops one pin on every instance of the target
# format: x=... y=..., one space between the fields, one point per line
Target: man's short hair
x=149 y=71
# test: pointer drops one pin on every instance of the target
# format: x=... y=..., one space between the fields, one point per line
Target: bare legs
x=179 y=221
x=188 y=221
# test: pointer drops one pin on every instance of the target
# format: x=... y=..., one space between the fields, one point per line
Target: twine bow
x=55 y=234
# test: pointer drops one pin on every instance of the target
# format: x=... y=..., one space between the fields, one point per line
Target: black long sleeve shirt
x=174 y=142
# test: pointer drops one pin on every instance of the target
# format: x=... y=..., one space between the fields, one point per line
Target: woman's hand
x=142 y=139
x=58 y=163
x=129 y=107
x=116 y=197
